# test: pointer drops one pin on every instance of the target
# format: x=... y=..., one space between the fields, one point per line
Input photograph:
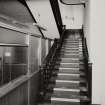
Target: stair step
x=69 y=53
x=64 y=99
x=66 y=42
x=72 y=72
x=64 y=85
x=66 y=90
x=69 y=47
x=67 y=87
x=69 y=61
x=66 y=59
x=74 y=69
x=76 y=100
x=70 y=56
x=69 y=81
x=69 y=65
x=72 y=51
x=59 y=103
x=71 y=77
x=70 y=42
x=71 y=90
x=69 y=50
x=69 y=71
x=63 y=58
x=66 y=94
x=66 y=74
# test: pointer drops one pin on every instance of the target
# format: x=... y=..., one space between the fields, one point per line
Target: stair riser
x=69 y=65
x=69 y=48
x=69 y=71
x=68 y=60
x=67 y=85
x=69 y=53
x=64 y=94
x=68 y=41
x=71 y=45
x=64 y=103
x=71 y=78
x=70 y=56
x=76 y=46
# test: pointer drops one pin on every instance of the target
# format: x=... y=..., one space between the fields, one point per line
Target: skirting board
x=95 y=104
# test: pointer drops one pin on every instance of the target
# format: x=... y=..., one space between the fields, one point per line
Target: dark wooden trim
x=25 y=4
x=95 y=104
x=72 y=3
x=25 y=33
x=13 y=45
x=87 y=64
x=57 y=15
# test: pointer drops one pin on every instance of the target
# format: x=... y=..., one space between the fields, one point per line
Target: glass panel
x=43 y=48
x=19 y=63
x=1 y=66
x=13 y=64
x=34 y=46
x=9 y=36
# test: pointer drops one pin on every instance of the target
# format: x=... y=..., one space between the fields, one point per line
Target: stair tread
x=82 y=98
x=64 y=85
x=55 y=79
x=67 y=87
x=65 y=94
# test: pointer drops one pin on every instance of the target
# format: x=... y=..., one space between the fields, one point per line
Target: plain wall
x=95 y=33
x=86 y=23
x=97 y=49
x=72 y=15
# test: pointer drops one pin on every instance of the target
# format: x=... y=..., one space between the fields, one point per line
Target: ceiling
x=42 y=12
x=73 y=1
x=15 y=10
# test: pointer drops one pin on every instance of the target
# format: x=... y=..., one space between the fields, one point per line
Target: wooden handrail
x=88 y=65
x=47 y=66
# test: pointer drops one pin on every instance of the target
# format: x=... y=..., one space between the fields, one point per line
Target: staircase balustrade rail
x=48 y=66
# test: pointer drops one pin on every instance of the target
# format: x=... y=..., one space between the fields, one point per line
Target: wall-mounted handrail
x=87 y=64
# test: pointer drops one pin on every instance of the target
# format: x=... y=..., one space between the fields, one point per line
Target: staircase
x=67 y=84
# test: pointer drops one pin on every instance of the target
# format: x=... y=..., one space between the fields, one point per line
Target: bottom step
x=64 y=100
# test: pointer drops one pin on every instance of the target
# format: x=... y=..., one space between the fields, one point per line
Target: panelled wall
x=21 y=54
